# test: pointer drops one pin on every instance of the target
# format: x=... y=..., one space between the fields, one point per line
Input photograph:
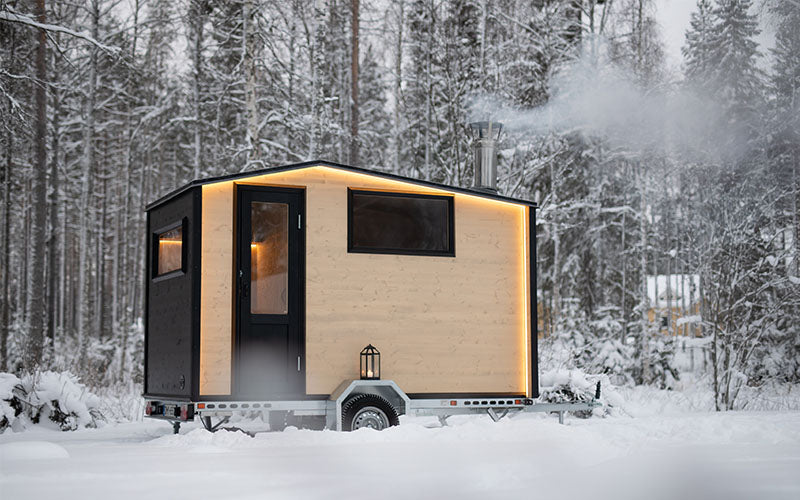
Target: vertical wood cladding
x=216 y=293
x=443 y=324
x=172 y=304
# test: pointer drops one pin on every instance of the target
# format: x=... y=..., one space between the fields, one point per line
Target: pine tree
x=733 y=75
x=697 y=50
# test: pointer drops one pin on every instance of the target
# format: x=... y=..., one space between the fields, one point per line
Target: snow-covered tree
x=734 y=77
x=698 y=47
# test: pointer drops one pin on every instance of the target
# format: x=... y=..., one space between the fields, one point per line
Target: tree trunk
x=428 y=98
x=5 y=325
x=23 y=243
x=249 y=67
x=624 y=267
x=5 y=269
x=715 y=365
x=668 y=236
x=101 y=285
x=87 y=175
x=354 y=24
x=197 y=21
x=398 y=86
x=317 y=96
x=36 y=271
x=795 y=219
x=643 y=341
x=52 y=241
x=555 y=309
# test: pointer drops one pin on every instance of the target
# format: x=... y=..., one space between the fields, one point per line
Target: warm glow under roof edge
x=322 y=163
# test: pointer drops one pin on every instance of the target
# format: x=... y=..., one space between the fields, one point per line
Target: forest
x=639 y=171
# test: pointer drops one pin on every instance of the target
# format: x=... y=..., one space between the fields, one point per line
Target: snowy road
x=747 y=455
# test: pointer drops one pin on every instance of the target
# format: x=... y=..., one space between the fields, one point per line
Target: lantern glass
x=370 y=363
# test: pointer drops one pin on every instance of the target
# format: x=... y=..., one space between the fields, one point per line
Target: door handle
x=244 y=286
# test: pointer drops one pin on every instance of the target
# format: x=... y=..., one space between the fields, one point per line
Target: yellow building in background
x=674 y=303
x=674 y=306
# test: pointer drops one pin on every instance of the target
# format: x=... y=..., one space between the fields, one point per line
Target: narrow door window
x=269 y=258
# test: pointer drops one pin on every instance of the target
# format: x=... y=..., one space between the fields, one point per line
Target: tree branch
x=18 y=18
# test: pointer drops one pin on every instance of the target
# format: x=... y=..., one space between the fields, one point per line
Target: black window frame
x=183 y=224
x=451 y=240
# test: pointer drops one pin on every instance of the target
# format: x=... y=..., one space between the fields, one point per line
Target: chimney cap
x=487 y=129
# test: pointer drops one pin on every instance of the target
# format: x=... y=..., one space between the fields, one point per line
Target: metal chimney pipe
x=485 y=135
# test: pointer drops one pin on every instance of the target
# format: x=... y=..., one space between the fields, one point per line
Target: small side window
x=168 y=250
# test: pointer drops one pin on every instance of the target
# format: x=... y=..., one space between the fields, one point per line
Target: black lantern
x=370 y=363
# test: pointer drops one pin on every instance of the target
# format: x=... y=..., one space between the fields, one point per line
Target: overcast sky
x=673 y=16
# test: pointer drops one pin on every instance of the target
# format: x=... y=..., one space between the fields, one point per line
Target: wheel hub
x=371 y=418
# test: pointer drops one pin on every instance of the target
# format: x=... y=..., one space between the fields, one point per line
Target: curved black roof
x=323 y=163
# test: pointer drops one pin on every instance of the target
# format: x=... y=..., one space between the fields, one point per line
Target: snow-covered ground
x=655 y=455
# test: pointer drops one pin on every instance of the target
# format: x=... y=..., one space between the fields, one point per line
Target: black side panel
x=172 y=314
x=534 y=342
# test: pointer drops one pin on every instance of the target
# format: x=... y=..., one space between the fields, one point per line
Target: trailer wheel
x=368 y=411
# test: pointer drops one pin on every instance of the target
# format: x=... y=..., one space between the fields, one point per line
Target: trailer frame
x=496 y=407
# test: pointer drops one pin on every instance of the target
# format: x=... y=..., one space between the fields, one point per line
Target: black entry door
x=269 y=272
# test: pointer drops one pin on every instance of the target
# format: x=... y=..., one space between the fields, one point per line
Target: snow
x=31 y=450
x=74 y=400
x=563 y=385
x=689 y=319
x=658 y=454
x=55 y=399
x=8 y=383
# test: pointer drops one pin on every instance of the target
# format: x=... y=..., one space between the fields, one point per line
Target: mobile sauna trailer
x=263 y=289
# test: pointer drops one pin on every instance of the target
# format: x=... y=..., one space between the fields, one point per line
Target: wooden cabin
x=266 y=285
x=674 y=304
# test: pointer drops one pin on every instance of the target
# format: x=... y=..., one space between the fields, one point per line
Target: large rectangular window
x=168 y=250
x=400 y=223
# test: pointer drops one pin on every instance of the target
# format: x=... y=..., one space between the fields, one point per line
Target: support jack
x=214 y=428
x=497 y=416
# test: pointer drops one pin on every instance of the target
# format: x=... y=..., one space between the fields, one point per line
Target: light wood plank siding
x=216 y=288
x=442 y=324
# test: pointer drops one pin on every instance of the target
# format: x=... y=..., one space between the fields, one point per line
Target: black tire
x=368 y=411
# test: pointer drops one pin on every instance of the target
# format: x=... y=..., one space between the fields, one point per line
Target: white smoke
x=600 y=99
